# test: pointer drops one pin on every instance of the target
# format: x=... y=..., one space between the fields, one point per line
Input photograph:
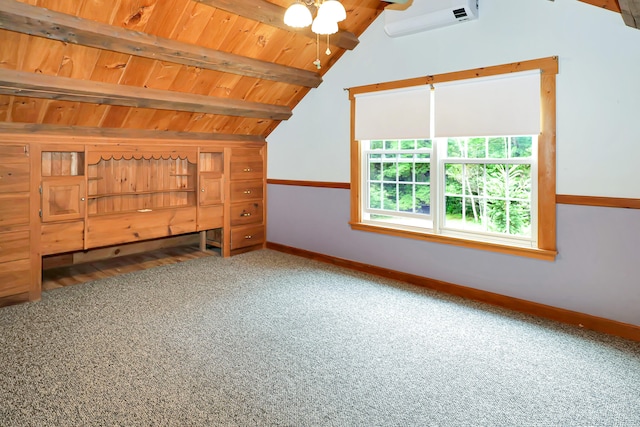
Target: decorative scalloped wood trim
x=609 y=202
x=581 y=320
x=319 y=184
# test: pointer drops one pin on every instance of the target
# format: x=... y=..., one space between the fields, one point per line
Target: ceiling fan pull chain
x=317 y=61
x=328 y=51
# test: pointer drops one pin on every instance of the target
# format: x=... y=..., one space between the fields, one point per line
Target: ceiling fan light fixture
x=333 y=10
x=298 y=16
x=324 y=25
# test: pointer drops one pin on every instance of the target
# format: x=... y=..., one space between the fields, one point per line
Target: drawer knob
x=202 y=190
x=247 y=169
x=82 y=199
x=247 y=191
x=248 y=237
x=245 y=214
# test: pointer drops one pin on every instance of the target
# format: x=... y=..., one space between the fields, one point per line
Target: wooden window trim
x=546 y=159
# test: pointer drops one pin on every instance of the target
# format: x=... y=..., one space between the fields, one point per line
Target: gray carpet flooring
x=269 y=339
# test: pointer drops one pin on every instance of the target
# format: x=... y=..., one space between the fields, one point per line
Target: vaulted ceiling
x=205 y=66
x=225 y=68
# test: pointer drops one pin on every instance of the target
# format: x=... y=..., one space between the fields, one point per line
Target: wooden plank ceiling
x=217 y=67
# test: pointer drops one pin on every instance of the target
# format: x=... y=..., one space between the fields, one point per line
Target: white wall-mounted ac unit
x=425 y=15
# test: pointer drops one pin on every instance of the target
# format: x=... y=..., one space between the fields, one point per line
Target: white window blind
x=393 y=114
x=492 y=106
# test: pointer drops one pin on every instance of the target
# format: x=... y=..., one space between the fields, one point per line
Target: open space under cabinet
x=100 y=195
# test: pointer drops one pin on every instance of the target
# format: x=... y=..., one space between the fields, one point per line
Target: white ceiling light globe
x=298 y=16
x=333 y=10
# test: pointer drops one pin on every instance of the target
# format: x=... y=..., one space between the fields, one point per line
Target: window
x=456 y=160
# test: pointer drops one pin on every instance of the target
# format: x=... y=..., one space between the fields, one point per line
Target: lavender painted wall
x=596 y=272
x=598 y=268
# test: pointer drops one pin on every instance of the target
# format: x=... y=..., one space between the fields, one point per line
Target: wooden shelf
x=140 y=211
x=142 y=193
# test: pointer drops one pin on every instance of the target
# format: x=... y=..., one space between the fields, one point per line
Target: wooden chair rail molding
x=41 y=22
x=319 y=184
x=609 y=202
x=581 y=320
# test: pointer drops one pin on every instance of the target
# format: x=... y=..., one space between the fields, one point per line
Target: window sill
x=542 y=254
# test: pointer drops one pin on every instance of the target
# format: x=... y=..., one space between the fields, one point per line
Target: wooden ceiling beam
x=630 y=10
x=91 y=132
x=272 y=14
x=41 y=22
x=604 y=4
x=20 y=83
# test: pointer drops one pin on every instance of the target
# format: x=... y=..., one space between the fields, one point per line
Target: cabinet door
x=63 y=198
x=211 y=189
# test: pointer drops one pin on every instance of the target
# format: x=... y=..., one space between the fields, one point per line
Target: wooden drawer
x=62 y=237
x=14 y=245
x=210 y=217
x=111 y=229
x=246 y=190
x=14 y=177
x=247 y=168
x=14 y=153
x=247 y=213
x=241 y=237
x=15 y=277
x=14 y=209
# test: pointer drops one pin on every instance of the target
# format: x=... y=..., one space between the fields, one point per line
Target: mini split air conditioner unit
x=425 y=15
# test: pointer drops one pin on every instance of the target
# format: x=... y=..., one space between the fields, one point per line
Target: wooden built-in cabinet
x=247 y=198
x=16 y=260
x=97 y=195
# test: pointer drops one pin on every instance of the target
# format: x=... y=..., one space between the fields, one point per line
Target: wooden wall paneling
x=271 y=14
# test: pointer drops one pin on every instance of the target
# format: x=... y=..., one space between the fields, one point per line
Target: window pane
x=375 y=171
x=521 y=146
x=520 y=182
x=498 y=148
x=389 y=197
x=520 y=218
x=423 y=156
x=405 y=172
x=453 y=211
x=424 y=143
x=496 y=181
x=391 y=145
x=453 y=179
x=423 y=199
x=407 y=156
x=496 y=215
x=375 y=196
x=455 y=147
x=405 y=197
x=389 y=171
x=476 y=148
x=423 y=172
x=475 y=179
x=408 y=144
x=376 y=145
x=474 y=212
